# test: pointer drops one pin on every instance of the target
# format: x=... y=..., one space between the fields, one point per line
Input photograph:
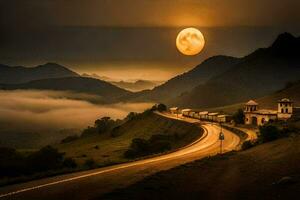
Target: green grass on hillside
x=105 y=149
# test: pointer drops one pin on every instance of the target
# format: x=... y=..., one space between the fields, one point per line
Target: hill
x=19 y=74
x=136 y=86
x=268 y=171
x=77 y=84
x=111 y=148
x=187 y=81
x=96 y=76
x=258 y=74
x=291 y=91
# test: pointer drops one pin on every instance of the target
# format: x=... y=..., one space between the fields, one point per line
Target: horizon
x=129 y=70
x=149 y=99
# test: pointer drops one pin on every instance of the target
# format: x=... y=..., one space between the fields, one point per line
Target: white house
x=256 y=116
x=174 y=110
x=213 y=116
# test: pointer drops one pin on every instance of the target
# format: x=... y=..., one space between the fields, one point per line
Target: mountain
x=77 y=84
x=261 y=73
x=291 y=91
x=133 y=86
x=96 y=76
x=19 y=74
x=136 y=86
x=187 y=81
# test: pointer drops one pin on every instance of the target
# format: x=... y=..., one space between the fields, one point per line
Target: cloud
x=51 y=111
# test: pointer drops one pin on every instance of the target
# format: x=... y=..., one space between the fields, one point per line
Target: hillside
x=187 y=81
x=292 y=91
x=258 y=74
x=257 y=173
x=136 y=86
x=110 y=149
x=76 y=84
x=19 y=74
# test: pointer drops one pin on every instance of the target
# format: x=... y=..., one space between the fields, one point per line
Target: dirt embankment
x=268 y=171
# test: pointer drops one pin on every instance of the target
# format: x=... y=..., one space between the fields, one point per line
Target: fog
x=40 y=111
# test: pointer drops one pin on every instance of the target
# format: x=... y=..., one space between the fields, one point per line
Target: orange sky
x=111 y=37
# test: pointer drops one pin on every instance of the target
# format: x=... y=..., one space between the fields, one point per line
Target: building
x=285 y=109
x=224 y=118
x=203 y=115
x=258 y=117
x=174 y=110
x=213 y=116
x=186 y=112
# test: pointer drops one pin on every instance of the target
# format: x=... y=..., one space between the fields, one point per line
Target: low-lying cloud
x=25 y=110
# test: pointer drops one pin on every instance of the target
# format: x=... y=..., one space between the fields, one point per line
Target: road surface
x=94 y=183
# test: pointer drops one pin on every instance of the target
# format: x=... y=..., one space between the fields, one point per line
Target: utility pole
x=221 y=138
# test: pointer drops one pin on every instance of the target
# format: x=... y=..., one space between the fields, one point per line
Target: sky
x=135 y=39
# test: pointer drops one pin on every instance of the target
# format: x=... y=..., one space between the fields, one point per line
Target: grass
x=105 y=149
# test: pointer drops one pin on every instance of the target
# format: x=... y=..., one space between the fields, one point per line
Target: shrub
x=115 y=132
x=69 y=163
x=160 y=146
x=90 y=163
x=45 y=159
x=89 y=131
x=141 y=147
x=131 y=116
x=138 y=147
x=104 y=124
x=239 y=117
x=269 y=133
x=159 y=107
x=69 y=139
x=11 y=162
x=247 y=145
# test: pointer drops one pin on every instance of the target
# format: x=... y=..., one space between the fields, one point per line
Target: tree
x=69 y=139
x=239 y=117
x=131 y=116
x=159 y=107
x=89 y=131
x=45 y=159
x=269 y=133
x=105 y=124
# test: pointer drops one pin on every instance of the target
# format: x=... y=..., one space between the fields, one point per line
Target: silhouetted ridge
x=286 y=45
x=20 y=74
x=262 y=72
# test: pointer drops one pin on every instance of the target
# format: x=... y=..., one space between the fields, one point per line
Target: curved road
x=94 y=183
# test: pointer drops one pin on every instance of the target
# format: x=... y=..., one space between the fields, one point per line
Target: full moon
x=190 y=41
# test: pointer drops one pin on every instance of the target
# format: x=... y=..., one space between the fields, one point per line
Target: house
x=186 y=112
x=213 y=116
x=285 y=109
x=174 y=110
x=224 y=118
x=256 y=116
x=203 y=115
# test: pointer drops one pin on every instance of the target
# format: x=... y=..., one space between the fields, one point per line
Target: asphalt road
x=94 y=183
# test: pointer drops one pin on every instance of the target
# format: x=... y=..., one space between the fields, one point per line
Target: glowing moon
x=190 y=41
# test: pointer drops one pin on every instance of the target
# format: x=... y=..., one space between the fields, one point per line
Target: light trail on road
x=94 y=183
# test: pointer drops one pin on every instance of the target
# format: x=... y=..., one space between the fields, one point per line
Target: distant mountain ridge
x=96 y=76
x=19 y=74
x=187 y=81
x=136 y=86
x=133 y=86
x=261 y=73
x=106 y=90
